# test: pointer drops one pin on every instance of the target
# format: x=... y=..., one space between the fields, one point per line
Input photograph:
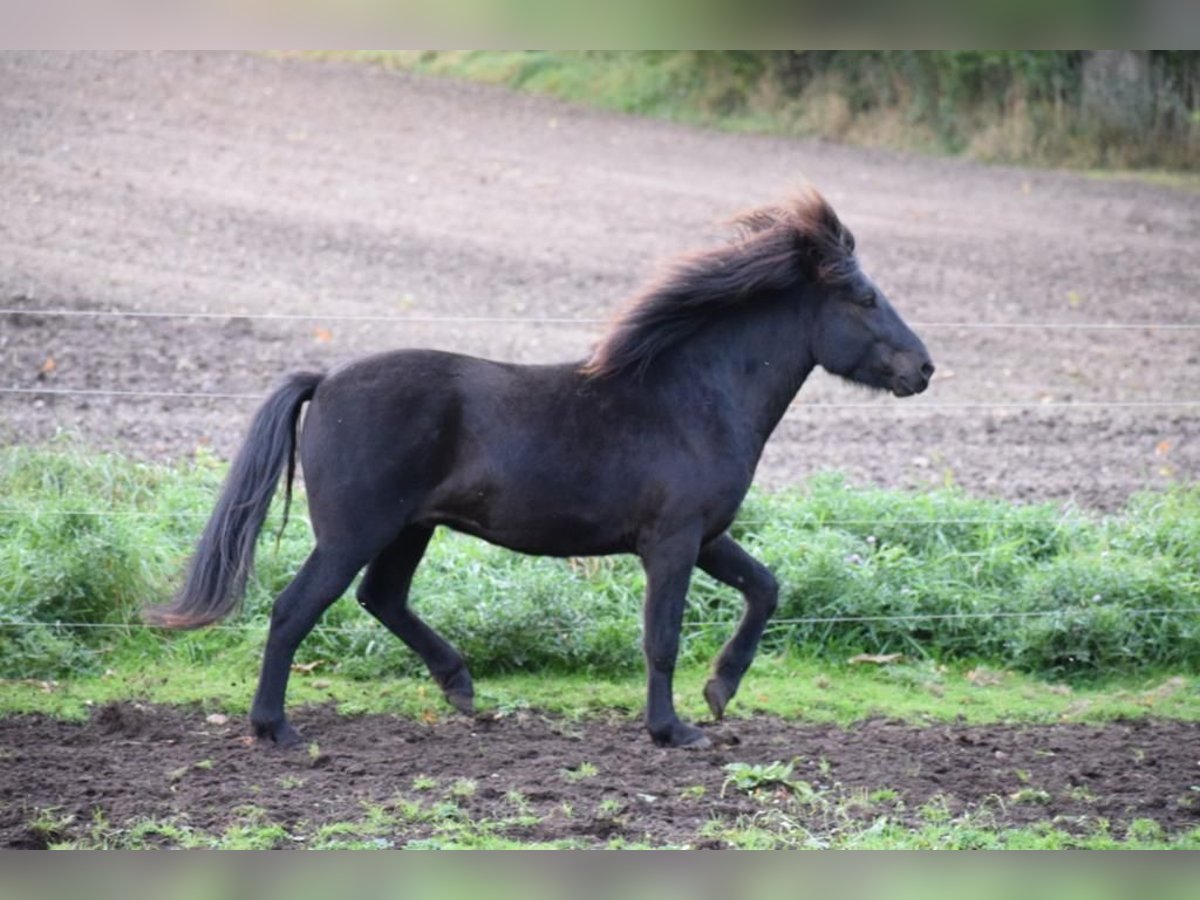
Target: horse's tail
x=216 y=578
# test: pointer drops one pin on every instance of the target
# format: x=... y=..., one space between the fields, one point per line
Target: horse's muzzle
x=913 y=380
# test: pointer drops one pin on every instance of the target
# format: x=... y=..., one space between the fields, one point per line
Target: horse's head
x=856 y=333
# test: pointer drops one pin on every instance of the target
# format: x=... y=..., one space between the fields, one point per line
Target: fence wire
x=34 y=512
x=891 y=408
x=584 y=321
x=417 y=319
x=774 y=624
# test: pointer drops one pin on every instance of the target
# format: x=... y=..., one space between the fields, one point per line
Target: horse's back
x=395 y=426
x=537 y=458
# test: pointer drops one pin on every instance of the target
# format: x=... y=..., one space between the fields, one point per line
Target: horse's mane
x=776 y=247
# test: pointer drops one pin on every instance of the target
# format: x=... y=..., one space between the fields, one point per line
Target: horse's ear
x=824 y=244
x=817 y=251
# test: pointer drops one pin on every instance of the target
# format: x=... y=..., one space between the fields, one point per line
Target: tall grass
x=1041 y=107
x=939 y=574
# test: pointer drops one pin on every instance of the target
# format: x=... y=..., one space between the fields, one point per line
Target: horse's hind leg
x=320 y=581
x=384 y=593
x=725 y=561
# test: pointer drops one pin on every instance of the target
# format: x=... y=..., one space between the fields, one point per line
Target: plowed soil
x=225 y=184
x=534 y=778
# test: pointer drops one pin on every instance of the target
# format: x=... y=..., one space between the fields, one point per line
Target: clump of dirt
x=542 y=778
x=131 y=721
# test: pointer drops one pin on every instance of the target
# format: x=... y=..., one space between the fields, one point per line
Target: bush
x=1079 y=108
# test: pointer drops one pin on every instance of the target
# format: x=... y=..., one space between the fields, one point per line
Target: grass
x=776 y=831
x=801 y=818
x=939 y=577
x=996 y=106
x=910 y=579
x=765 y=831
x=789 y=814
x=1189 y=181
x=562 y=636
x=786 y=685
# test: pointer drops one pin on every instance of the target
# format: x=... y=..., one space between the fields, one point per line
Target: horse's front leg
x=725 y=561
x=668 y=564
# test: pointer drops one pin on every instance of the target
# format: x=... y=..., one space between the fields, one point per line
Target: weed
x=156 y=833
x=755 y=779
x=519 y=802
x=1030 y=795
x=582 y=771
x=447 y=811
x=936 y=810
x=1081 y=794
x=1146 y=830
x=254 y=837
x=609 y=807
x=50 y=824
x=464 y=788
x=411 y=811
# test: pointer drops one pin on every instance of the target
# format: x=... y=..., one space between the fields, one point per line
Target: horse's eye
x=868 y=299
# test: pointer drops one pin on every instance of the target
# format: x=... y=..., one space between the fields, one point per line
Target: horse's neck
x=759 y=361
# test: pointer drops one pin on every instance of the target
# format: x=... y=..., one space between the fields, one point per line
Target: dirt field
x=243 y=185
x=174 y=766
x=186 y=183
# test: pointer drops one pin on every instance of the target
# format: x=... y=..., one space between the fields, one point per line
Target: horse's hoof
x=682 y=736
x=462 y=701
x=278 y=734
x=717 y=694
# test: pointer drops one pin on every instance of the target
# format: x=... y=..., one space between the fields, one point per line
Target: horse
x=648 y=447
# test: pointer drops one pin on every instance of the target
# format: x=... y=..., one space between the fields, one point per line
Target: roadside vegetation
x=931 y=579
x=1081 y=109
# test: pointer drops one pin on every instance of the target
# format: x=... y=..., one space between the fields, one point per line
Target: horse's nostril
x=927 y=370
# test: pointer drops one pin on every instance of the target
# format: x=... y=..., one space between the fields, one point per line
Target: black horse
x=648 y=447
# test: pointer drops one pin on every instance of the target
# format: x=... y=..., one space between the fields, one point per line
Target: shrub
x=937 y=574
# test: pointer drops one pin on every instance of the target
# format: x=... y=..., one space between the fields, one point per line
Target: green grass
x=562 y=636
x=998 y=106
x=804 y=819
x=763 y=832
x=789 y=814
x=777 y=684
x=1189 y=181
x=776 y=831
x=940 y=577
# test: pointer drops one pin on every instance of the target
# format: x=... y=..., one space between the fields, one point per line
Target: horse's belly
x=545 y=536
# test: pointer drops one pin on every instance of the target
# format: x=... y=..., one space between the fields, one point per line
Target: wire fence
x=878 y=406
x=910 y=408
x=582 y=321
x=418 y=319
x=745 y=523
x=774 y=624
